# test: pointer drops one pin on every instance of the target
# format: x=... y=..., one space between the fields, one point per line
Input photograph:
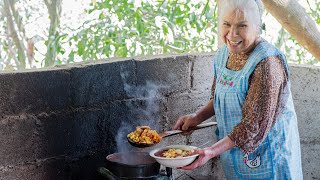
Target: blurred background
x=44 y=33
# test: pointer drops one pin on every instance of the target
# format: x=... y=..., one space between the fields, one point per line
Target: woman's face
x=237 y=32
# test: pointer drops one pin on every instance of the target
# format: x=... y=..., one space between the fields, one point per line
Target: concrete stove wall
x=62 y=122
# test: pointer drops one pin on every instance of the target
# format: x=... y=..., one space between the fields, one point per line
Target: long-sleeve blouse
x=259 y=111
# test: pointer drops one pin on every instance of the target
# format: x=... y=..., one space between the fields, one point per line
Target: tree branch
x=294 y=18
x=54 y=9
x=14 y=35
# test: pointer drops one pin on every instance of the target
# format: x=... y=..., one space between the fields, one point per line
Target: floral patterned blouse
x=260 y=108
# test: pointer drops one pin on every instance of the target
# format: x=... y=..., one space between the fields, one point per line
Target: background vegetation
x=119 y=28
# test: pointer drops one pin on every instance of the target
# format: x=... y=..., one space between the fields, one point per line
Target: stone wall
x=60 y=123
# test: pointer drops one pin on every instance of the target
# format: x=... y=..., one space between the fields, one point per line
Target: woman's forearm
x=221 y=146
x=205 y=112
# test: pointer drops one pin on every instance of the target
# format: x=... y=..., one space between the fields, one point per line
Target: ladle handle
x=199 y=126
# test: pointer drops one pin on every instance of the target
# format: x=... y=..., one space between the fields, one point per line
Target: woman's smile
x=238 y=33
x=234 y=43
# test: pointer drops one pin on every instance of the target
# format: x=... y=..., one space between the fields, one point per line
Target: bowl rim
x=172 y=146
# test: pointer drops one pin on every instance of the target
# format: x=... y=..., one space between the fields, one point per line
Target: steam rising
x=144 y=108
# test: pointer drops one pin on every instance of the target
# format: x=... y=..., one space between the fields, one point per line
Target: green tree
x=122 y=29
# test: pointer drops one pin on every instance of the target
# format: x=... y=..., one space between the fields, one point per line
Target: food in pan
x=174 y=153
x=144 y=135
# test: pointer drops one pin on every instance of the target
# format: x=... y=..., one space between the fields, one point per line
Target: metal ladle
x=170 y=133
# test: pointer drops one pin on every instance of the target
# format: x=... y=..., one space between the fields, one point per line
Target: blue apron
x=278 y=156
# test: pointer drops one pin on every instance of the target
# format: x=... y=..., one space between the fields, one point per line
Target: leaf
x=179 y=20
x=101 y=16
x=80 y=48
x=71 y=57
x=165 y=29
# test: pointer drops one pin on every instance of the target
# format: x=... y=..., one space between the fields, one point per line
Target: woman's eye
x=226 y=24
x=243 y=25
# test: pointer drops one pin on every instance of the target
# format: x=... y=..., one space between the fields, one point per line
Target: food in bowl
x=178 y=161
x=174 y=153
x=144 y=135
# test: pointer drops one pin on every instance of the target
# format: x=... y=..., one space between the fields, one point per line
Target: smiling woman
x=241 y=26
x=251 y=100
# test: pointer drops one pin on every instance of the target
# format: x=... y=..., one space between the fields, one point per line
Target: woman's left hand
x=205 y=155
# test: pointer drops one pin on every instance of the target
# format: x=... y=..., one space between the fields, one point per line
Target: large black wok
x=132 y=165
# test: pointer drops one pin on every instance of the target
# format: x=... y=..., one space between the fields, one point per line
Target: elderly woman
x=251 y=100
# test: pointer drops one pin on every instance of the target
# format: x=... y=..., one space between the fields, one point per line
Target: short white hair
x=251 y=9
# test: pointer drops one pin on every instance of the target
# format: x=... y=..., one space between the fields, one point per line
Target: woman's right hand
x=184 y=122
x=191 y=120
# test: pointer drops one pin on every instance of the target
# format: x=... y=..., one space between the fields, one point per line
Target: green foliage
x=314 y=11
x=128 y=28
x=123 y=29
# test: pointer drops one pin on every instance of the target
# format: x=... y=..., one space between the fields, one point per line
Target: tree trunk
x=293 y=17
x=54 y=9
x=10 y=12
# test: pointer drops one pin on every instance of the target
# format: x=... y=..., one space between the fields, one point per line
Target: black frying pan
x=131 y=165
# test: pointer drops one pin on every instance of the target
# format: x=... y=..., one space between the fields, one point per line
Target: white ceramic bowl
x=174 y=162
